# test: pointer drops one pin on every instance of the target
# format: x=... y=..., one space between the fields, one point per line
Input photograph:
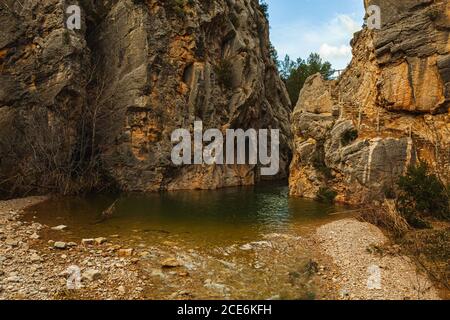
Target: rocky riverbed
x=33 y=268
x=42 y=262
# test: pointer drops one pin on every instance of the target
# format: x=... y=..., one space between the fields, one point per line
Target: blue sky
x=299 y=27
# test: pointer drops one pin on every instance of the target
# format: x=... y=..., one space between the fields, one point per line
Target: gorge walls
x=96 y=107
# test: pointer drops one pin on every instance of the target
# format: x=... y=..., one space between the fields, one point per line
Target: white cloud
x=335 y=52
x=346 y=24
x=330 y=39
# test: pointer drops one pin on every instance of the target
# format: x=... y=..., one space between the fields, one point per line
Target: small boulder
x=34 y=236
x=13 y=279
x=218 y=287
x=60 y=245
x=246 y=247
x=35 y=258
x=121 y=290
x=100 y=240
x=144 y=254
x=86 y=242
x=11 y=242
x=91 y=275
x=170 y=263
x=125 y=252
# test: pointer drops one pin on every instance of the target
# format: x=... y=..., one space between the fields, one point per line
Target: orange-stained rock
x=393 y=102
x=81 y=109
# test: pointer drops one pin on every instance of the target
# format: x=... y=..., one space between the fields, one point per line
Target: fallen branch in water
x=108 y=213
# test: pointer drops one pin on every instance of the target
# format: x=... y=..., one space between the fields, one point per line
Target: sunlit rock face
x=389 y=109
x=138 y=70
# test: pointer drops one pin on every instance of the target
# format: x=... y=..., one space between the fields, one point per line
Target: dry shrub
x=387 y=217
x=57 y=149
x=431 y=251
x=55 y=158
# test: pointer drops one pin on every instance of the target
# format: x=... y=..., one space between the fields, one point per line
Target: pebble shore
x=365 y=273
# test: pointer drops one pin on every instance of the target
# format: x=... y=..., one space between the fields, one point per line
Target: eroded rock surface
x=107 y=98
x=389 y=109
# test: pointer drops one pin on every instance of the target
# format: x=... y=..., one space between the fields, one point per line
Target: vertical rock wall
x=387 y=111
x=111 y=94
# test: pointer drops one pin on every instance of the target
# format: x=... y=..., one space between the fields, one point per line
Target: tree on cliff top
x=264 y=8
x=295 y=73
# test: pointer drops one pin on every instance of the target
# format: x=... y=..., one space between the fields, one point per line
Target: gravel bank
x=353 y=247
x=32 y=268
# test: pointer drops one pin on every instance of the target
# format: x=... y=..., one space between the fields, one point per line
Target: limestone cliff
x=103 y=101
x=389 y=109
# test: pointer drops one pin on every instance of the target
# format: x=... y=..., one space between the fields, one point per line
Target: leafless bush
x=55 y=155
x=57 y=149
x=430 y=249
x=387 y=217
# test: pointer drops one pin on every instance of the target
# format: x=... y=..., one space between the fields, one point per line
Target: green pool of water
x=201 y=218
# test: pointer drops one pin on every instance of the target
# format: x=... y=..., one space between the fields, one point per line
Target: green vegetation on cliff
x=295 y=73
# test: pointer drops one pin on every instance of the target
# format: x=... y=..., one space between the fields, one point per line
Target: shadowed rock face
x=112 y=93
x=388 y=110
x=43 y=82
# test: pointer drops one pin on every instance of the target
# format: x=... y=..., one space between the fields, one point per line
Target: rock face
x=389 y=109
x=104 y=100
x=42 y=92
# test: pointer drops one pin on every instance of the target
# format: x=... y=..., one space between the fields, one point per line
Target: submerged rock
x=100 y=240
x=125 y=252
x=59 y=228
